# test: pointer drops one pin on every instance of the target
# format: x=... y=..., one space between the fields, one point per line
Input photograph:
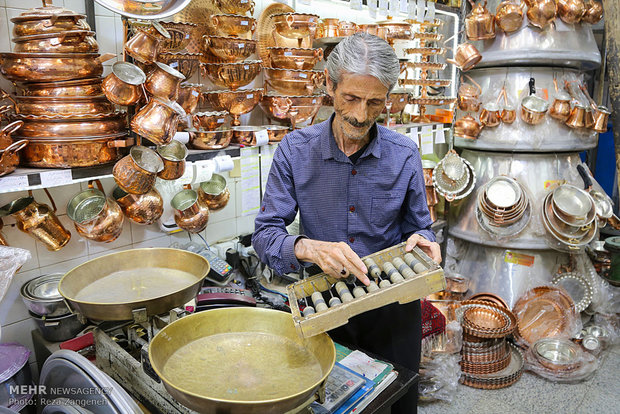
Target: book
x=378 y=389
x=342 y=383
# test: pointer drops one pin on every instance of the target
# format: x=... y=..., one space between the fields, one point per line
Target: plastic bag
x=439 y=367
x=11 y=260
x=546 y=359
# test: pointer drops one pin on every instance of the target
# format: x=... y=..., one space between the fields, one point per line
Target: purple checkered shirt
x=371 y=205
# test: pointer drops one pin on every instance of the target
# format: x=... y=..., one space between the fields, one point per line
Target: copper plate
x=501 y=379
x=490 y=297
x=478 y=303
x=265 y=27
x=485 y=319
x=486 y=367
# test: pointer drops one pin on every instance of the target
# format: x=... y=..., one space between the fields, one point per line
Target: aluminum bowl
x=41 y=297
x=236 y=103
x=557 y=354
x=186 y=63
x=233 y=25
x=295 y=109
x=210 y=140
x=294 y=82
x=295 y=25
x=294 y=57
x=232 y=75
x=231 y=49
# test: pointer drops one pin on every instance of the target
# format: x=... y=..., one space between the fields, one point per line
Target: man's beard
x=354 y=122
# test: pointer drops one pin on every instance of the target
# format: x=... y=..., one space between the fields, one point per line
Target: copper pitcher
x=158 y=120
x=214 y=193
x=593 y=13
x=190 y=213
x=468 y=96
x=479 y=24
x=136 y=172
x=123 y=86
x=163 y=82
x=189 y=96
x=38 y=220
x=144 y=208
x=467 y=127
x=601 y=116
x=560 y=108
x=577 y=118
x=540 y=13
x=173 y=155
x=571 y=11
x=509 y=16
x=465 y=57
x=95 y=216
x=143 y=46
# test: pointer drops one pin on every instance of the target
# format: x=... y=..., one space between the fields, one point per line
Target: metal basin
x=263 y=366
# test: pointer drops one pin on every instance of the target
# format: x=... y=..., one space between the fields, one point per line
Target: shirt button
x=351 y=239
x=262 y=209
x=353 y=172
x=293 y=267
x=352 y=209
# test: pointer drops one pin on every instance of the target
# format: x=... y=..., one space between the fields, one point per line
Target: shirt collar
x=329 y=148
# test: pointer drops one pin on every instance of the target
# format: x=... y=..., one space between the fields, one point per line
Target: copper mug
x=571 y=11
x=158 y=120
x=173 y=156
x=509 y=16
x=144 y=208
x=214 y=193
x=346 y=28
x=163 y=82
x=189 y=96
x=135 y=173
x=465 y=57
x=577 y=117
x=480 y=23
x=560 y=107
x=594 y=12
x=190 y=213
x=38 y=220
x=533 y=109
x=143 y=46
x=95 y=216
x=123 y=86
x=540 y=13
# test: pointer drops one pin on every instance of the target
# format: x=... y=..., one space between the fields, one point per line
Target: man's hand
x=336 y=259
x=432 y=249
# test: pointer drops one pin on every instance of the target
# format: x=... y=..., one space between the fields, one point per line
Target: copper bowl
x=51 y=67
x=390 y=31
x=232 y=75
x=294 y=82
x=276 y=132
x=181 y=34
x=235 y=6
x=246 y=135
x=294 y=57
x=62 y=105
x=295 y=109
x=398 y=99
x=80 y=87
x=233 y=25
x=38 y=21
x=184 y=62
x=209 y=121
x=231 y=49
x=210 y=140
x=72 y=41
x=295 y=25
x=236 y=103
x=42 y=126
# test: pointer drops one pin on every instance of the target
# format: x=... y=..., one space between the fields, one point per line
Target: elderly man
x=359 y=188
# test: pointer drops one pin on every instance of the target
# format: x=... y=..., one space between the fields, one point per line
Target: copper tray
x=485 y=319
x=501 y=379
x=265 y=28
x=425 y=82
x=480 y=332
x=486 y=367
x=490 y=297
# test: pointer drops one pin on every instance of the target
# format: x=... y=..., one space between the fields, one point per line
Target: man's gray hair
x=364 y=54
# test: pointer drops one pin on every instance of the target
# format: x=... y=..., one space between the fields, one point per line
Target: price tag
x=262 y=137
x=411 y=9
x=356 y=4
x=187 y=35
x=195 y=93
x=204 y=170
x=243 y=1
x=383 y=7
x=519 y=259
x=440 y=138
x=430 y=12
x=244 y=23
x=174 y=64
x=249 y=96
x=394 y=5
x=314 y=101
x=421 y=8
x=372 y=8
x=56 y=178
x=246 y=67
x=426 y=140
x=241 y=45
x=404 y=6
x=413 y=134
x=303 y=75
x=288 y=53
x=13 y=182
x=221 y=121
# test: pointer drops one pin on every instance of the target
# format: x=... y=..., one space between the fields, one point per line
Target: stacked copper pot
x=56 y=65
x=294 y=88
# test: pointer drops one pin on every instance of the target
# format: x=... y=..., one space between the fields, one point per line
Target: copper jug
x=577 y=118
x=38 y=220
x=467 y=127
x=571 y=11
x=601 y=116
x=508 y=113
x=468 y=96
x=190 y=213
x=163 y=82
x=480 y=23
x=96 y=217
x=466 y=57
x=143 y=46
x=144 y=208
x=158 y=120
x=594 y=12
x=540 y=13
x=560 y=108
x=509 y=16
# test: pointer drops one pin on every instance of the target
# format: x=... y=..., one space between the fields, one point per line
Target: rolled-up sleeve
x=274 y=245
x=417 y=218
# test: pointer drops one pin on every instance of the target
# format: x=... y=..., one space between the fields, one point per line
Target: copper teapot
x=480 y=23
x=509 y=16
x=594 y=12
x=467 y=127
x=540 y=13
x=571 y=11
x=468 y=96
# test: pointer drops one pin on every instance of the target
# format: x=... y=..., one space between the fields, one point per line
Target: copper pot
x=51 y=67
x=163 y=82
x=235 y=6
x=468 y=96
x=189 y=96
x=508 y=114
x=509 y=16
x=295 y=109
x=465 y=57
x=214 y=193
x=601 y=116
x=136 y=172
x=490 y=115
x=63 y=105
x=48 y=19
x=371 y=29
x=143 y=46
x=190 y=213
x=73 y=41
x=144 y=208
x=232 y=75
x=294 y=82
x=95 y=216
x=184 y=62
x=233 y=25
x=245 y=135
x=74 y=151
x=479 y=24
x=533 y=109
x=44 y=126
x=577 y=117
x=181 y=35
x=236 y=103
x=571 y=11
x=79 y=87
x=230 y=49
x=38 y=220
x=391 y=30
x=560 y=107
x=9 y=157
x=346 y=28
x=467 y=127
x=593 y=13
x=209 y=121
x=123 y=86
x=210 y=140
x=276 y=132
x=294 y=57
x=157 y=121
x=295 y=25
x=173 y=156
x=540 y=13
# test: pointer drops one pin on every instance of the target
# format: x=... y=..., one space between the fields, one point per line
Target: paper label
x=411 y=9
x=356 y=4
x=421 y=8
x=430 y=12
x=250 y=181
x=551 y=184
x=413 y=134
x=401 y=100
x=224 y=163
x=195 y=93
x=203 y=170
x=243 y=1
x=314 y=101
x=244 y=23
x=372 y=8
x=426 y=140
x=288 y=53
x=221 y=121
x=303 y=75
x=404 y=6
x=262 y=137
x=246 y=67
x=241 y=45
x=440 y=138
x=174 y=64
x=249 y=96
x=13 y=183
x=394 y=4
x=519 y=259
x=56 y=178
x=266 y=159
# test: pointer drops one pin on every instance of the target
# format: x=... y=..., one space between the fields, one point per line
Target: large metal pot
x=80 y=87
x=72 y=152
x=68 y=126
x=41 y=297
x=71 y=41
x=110 y=287
x=48 y=19
x=51 y=67
x=63 y=105
x=302 y=364
x=58 y=329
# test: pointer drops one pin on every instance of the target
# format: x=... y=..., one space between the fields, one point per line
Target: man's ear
x=329 y=84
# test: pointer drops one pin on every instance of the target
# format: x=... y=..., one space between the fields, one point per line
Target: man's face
x=358 y=101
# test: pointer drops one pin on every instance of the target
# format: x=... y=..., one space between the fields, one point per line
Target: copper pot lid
x=46 y=12
x=170 y=70
x=129 y=73
x=66 y=33
x=147 y=159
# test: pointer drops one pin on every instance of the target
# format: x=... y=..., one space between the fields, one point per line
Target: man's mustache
x=358 y=124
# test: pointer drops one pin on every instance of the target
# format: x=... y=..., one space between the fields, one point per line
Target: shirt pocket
x=384 y=210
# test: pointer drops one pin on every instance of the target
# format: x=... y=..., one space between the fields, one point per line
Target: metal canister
x=612 y=245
